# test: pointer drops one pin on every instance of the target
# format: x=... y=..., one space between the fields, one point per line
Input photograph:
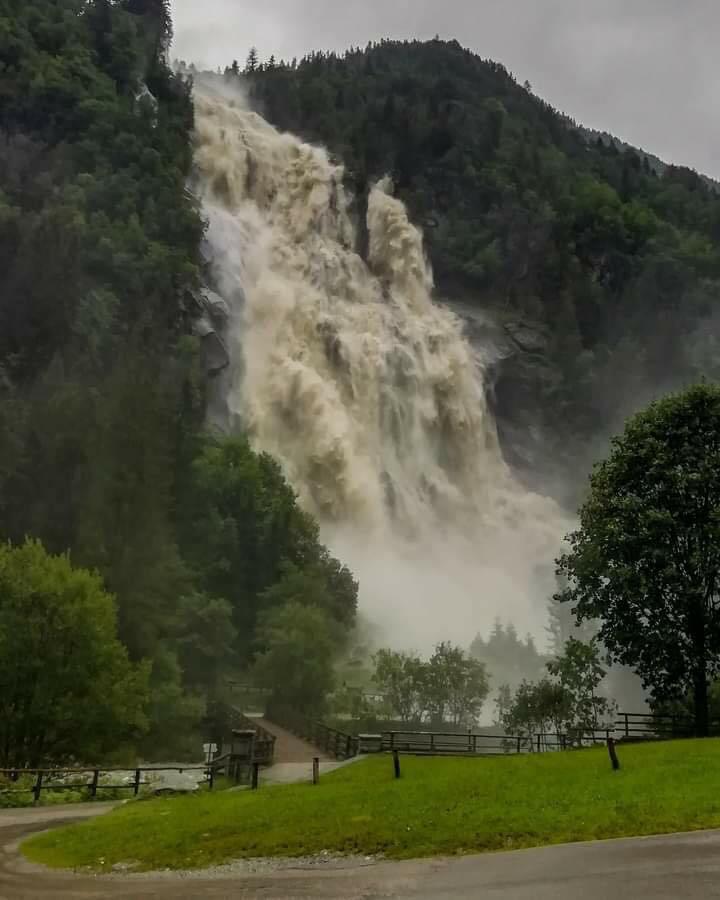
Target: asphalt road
x=664 y=868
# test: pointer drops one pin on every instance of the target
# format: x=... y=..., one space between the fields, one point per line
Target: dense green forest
x=603 y=269
x=102 y=383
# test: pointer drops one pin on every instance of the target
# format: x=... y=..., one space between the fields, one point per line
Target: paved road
x=666 y=868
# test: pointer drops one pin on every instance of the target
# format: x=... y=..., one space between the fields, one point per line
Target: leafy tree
x=543 y=708
x=68 y=690
x=456 y=686
x=175 y=714
x=580 y=673
x=450 y=687
x=400 y=677
x=646 y=558
x=297 y=648
x=250 y=543
x=205 y=642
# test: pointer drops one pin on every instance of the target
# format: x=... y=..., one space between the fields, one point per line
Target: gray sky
x=646 y=70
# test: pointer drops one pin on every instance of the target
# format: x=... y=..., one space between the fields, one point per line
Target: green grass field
x=439 y=806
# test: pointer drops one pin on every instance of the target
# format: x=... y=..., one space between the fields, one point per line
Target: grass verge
x=439 y=806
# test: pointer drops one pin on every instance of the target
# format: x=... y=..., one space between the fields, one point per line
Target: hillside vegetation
x=103 y=383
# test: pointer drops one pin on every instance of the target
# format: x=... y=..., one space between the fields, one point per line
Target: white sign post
x=209 y=750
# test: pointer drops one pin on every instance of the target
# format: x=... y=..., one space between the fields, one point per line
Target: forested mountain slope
x=102 y=381
x=603 y=270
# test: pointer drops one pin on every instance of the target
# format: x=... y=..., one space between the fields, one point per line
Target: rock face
x=212 y=317
x=217 y=308
x=145 y=95
x=515 y=357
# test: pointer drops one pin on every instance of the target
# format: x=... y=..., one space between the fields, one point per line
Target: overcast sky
x=646 y=70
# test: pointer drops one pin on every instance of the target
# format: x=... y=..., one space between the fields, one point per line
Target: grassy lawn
x=439 y=806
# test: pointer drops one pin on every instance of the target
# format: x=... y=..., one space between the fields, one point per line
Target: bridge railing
x=333 y=742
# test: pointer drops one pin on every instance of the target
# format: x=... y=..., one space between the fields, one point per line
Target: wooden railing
x=627 y=727
x=264 y=748
x=89 y=779
x=448 y=743
x=631 y=726
x=330 y=740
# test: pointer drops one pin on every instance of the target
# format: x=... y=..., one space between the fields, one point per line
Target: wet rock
x=215 y=355
x=217 y=308
x=526 y=338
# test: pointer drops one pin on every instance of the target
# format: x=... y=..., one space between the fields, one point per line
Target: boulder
x=216 y=307
x=526 y=338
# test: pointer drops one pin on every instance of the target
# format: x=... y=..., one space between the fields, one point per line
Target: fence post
x=474 y=737
x=613 y=755
x=255 y=775
x=38 y=787
x=519 y=740
x=627 y=725
x=211 y=777
x=316 y=771
x=94 y=783
x=136 y=786
x=538 y=743
x=396 y=763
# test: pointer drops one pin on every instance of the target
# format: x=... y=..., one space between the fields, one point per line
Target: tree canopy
x=645 y=560
x=67 y=688
x=449 y=688
x=298 y=645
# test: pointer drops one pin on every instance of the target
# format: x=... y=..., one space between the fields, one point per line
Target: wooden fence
x=627 y=727
x=448 y=743
x=89 y=779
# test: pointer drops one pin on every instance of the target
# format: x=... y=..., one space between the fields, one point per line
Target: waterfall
x=364 y=389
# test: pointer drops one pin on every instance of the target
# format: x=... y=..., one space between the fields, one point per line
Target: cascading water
x=366 y=391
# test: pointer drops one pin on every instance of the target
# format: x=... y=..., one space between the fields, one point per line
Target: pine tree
x=251 y=66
